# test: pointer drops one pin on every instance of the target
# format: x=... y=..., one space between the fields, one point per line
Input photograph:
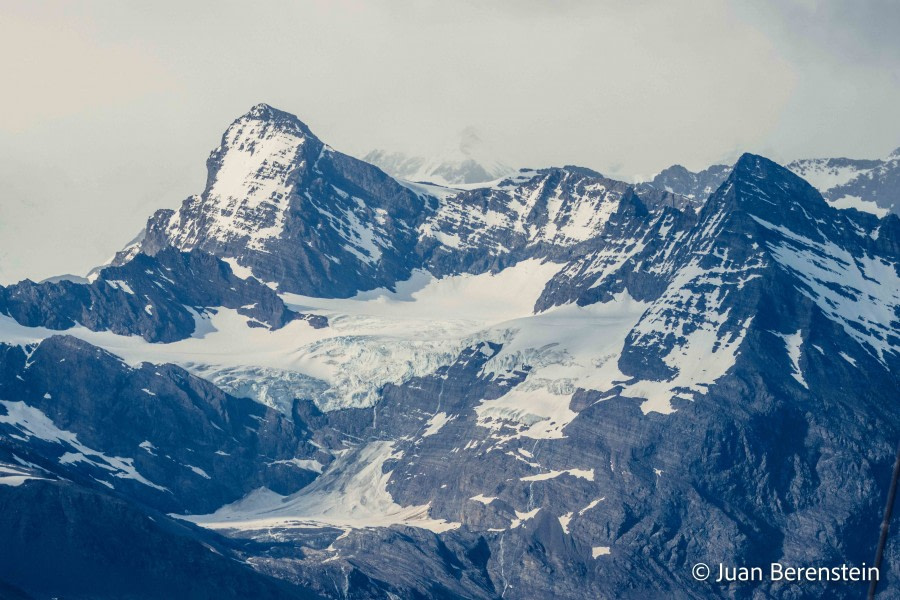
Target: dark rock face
x=611 y=262
x=552 y=214
x=751 y=416
x=314 y=220
x=63 y=540
x=765 y=465
x=843 y=181
x=148 y=296
x=154 y=433
x=769 y=480
x=317 y=222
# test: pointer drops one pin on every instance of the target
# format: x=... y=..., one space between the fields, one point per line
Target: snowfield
x=387 y=337
x=352 y=494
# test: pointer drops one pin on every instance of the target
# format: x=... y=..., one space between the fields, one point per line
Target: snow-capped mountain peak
x=251 y=175
x=283 y=204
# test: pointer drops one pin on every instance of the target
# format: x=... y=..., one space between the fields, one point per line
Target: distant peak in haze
x=469 y=159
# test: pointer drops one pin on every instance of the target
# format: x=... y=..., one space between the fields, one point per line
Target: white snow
x=537 y=413
x=120 y=285
x=199 y=471
x=571 y=217
x=483 y=499
x=384 y=336
x=352 y=493
x=14 y=477
x=793 y=342
x=847 y=358
x=239 y=270
x=860 y=293
x=567 y=347
x=300 y=463
x=521 y=517
x=704 y=351
x=33 y=423
x=582 y=473
x=435 y=423
x=381 y=336
x=859 y=204
x=824 y=176
x=591 y=505
x=249 y=195
x=564 y=521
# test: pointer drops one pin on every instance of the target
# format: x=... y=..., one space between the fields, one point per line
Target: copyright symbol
x=700 y=571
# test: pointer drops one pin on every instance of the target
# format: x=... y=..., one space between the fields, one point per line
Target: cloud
x=116 y=105
x=53 y=71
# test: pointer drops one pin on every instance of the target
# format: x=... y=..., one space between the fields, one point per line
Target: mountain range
x=868 y=185
x=317 y=380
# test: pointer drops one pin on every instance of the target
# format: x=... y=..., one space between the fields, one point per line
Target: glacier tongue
x=379 y=337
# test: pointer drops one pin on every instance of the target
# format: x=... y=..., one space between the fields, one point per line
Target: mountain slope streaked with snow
x=316 y=380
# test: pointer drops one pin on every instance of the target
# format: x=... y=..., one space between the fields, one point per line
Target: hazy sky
x=108 y=110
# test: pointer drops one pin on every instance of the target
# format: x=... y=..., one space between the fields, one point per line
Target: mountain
x=469 y=162
x=868 y=185
x=697 y=186
x=546 y=214
x=289 y=210
x=553 y=385
x=285 y=206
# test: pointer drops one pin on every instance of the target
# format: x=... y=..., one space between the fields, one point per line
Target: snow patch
x=120 y=285
x=35 y=424
x=435 y=423
x=582 y=473
x=351 y=494
x=483 y=499
x=793 y=342
x=859 y=204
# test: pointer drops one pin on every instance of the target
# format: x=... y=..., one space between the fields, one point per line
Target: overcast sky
x=109 y=109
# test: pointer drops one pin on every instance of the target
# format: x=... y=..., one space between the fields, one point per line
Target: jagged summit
x=750 y=169
x=298 y=214
x=263 y=110
x=302 y=216
x=759 y=190
x=267 y=112
x=280 y=202
x=760 y=186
